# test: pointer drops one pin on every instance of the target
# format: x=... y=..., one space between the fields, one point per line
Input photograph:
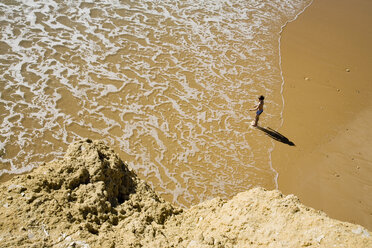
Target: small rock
x=357 y=230
x=80 y=244
x=91 y=228
x=305 y=244
x=30 y=235
x=366 y=233
x=45 y=231
x=307 y=78
x=62 y=237
x=19 y=188
x=361 y=230
x=31 y=199
x=201 y=237
x=295 y=210
x=347 y=70
x=210 y=241
x=319 y=239
x=192 y=244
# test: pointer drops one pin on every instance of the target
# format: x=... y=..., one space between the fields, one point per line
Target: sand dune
x=92 y=199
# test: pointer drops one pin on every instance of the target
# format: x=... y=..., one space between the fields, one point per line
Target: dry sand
x=326 y=62
x=91 y=198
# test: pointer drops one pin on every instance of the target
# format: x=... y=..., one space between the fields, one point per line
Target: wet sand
x=326 y=61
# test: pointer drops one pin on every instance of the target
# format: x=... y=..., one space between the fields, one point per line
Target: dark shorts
x=259 y=112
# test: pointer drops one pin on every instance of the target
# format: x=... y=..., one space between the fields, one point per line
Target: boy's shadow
x=276 y=135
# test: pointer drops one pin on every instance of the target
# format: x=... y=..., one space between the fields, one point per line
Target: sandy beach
x=172 y=97
x=326 y=62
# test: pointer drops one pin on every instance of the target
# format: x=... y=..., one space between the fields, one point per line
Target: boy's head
x=261 y=98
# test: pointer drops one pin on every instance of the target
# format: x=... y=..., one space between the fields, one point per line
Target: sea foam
x=167 y=83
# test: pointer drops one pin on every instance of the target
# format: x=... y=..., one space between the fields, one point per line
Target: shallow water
x=168 y=84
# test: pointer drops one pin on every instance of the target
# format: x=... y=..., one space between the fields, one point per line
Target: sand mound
x=260 y=218
x=81 y=199
x=90 y=198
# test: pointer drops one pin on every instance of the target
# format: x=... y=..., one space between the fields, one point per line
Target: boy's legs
x=256 y=120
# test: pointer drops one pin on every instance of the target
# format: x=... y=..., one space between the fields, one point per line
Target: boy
x=259 y=108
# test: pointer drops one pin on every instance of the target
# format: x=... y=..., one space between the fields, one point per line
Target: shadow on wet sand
x=276 y=135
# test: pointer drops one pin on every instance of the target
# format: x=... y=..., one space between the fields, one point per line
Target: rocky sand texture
x=91 y=198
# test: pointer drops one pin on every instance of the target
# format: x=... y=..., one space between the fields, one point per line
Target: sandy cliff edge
x=90 y=198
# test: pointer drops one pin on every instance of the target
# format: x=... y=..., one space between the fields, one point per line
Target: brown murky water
x=168 y=84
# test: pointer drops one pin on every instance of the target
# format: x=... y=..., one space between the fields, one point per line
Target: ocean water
x=168 y=84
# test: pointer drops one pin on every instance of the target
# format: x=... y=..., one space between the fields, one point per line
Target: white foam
x=282 y=83
x=185 y=73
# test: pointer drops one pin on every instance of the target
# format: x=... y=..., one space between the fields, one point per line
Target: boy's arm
x=255 y=108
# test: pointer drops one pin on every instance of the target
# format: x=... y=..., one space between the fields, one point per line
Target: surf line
x=282 y=88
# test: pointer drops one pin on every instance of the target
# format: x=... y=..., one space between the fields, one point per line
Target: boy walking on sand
x=259 y=108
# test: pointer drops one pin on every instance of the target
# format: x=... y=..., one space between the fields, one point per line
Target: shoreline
x=282 y=87
x=327 y=112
